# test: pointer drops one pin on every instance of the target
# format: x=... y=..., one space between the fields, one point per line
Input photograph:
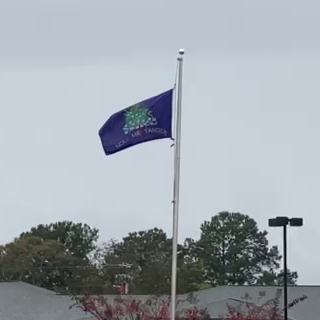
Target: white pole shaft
x=176 y=190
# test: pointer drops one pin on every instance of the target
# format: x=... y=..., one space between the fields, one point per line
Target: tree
x=45 y=263
x=274 y=278
x=233 y=250
x=138 y=116
x=113 y=273
x=79 y=238
x=149 y=253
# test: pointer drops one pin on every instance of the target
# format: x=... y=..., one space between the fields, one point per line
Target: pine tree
x=137 y=117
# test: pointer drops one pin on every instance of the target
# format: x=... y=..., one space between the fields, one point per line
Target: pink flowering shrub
x=123 y=308
x=159 y=309
x=268 y=310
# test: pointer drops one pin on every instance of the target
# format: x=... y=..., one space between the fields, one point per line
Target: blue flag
x=142 y=122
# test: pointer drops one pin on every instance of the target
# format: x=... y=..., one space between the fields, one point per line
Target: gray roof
x=216 y=299
x=21 y=301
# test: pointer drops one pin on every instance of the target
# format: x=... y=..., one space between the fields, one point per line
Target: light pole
x=283 y=222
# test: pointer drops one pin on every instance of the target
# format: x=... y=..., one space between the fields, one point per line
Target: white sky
x=250 y=115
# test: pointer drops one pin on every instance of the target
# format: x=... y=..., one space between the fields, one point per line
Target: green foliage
x=63 y=256
x=272 y=277
x=79 y=238
x=150 y=254
x=44 y=263
x=233 y=250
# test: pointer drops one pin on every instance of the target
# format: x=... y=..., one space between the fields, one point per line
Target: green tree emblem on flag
x=137 y=117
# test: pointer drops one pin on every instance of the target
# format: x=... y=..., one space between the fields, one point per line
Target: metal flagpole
x=176 y=188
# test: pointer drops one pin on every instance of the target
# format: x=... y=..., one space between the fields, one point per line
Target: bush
x=269 y=310
x=122 y=308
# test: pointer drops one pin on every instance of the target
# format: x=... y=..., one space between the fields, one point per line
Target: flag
x=148 y=120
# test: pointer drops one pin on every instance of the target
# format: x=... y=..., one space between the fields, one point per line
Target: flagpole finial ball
x=181 y=51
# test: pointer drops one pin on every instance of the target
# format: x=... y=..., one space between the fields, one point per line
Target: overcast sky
x=250 y=115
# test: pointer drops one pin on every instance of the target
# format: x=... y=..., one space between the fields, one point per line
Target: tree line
x=65 y=257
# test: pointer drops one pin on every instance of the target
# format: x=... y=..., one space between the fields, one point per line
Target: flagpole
x=176 y=188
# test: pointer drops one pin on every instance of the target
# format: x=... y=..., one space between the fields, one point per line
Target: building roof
x=216 y=299
x=21 y=301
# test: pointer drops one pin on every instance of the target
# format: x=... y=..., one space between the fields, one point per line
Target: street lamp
x=283 y=222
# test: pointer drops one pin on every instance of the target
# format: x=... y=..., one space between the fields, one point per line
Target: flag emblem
x=137 y=117
x=147 y=120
